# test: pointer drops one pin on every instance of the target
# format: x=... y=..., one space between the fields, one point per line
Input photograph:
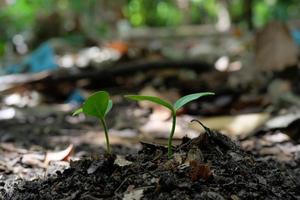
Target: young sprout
x=98 y=105
x=173 y=108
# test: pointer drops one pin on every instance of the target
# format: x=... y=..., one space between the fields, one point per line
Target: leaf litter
x=217 y=168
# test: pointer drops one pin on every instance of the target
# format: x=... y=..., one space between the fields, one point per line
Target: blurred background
x=55 y=53
x=67 y=37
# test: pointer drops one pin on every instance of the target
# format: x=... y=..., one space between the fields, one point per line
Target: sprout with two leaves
x=173 y=108
x=98 y=105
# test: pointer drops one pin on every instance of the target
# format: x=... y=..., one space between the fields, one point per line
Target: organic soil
x=210 y=166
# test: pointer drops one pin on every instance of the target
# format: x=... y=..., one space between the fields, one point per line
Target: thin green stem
x=170 y=151
x=106 y=136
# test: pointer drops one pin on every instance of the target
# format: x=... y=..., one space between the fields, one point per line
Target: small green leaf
x=152 y=99
x=77 y=112
x=109 y=106
x=97 y=104
x=188 y=98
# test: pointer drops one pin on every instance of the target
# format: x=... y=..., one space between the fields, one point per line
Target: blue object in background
x=14 y=69
x=42 y=59
x=296 y=35
x=75 y=98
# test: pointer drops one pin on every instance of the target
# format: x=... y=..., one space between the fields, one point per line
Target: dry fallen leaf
x=234 y=197
x=119 y=46
x=194 y=154
x=234 y=126
x=199 y=170
x=275 y=49
x=33 y=159
x=121 y=161
x=60 y=155
x=133 y=193
x=179 y=157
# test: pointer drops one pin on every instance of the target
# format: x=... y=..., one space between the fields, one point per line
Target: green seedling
x=98 y=105
x=173 y=108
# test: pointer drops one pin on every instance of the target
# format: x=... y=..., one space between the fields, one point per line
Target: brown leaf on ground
x=60 y=155
x=199 y=170
x=119 y=46
x=33 y=159
x=275 y=48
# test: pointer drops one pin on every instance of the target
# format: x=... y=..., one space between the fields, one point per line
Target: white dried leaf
x=133 y=194
x=121 y=161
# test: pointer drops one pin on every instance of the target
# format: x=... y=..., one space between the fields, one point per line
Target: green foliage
x=77 y=112
x=152 y=99
x=188 y=98
x=267 y=10
x=173 y=108
x=153 y=13
x=20 y=15
x=98 y=105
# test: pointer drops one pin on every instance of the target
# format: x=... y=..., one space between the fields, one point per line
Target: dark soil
x=210 y=166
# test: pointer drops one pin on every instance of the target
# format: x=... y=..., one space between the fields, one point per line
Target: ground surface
x=36 y=147
x=210 y=166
